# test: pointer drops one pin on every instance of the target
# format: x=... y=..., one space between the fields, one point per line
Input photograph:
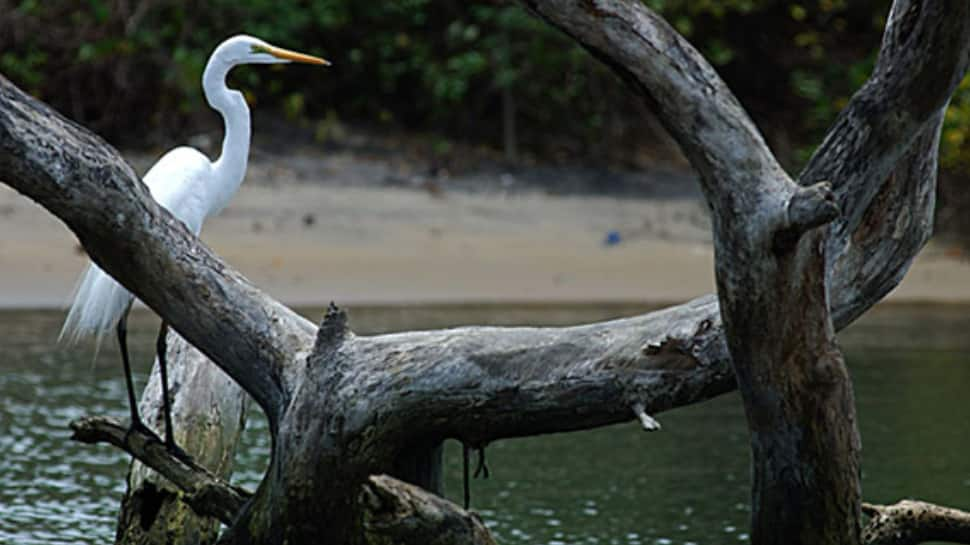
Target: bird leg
x=480 y=469
x=464 y=474
x=160 y=349
x=136 y=423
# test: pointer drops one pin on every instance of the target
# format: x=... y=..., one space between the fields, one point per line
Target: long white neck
x=230 y=167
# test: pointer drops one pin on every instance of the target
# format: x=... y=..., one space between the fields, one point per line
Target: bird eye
x=256 y=48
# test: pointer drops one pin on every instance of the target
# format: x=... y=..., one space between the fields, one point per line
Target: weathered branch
x=353 y=406
x=393 y=509
x=790 y=372
x=893 y=229
x=862 y=148
x=660 y=361
x=909 y=522
x=712 y=360
x=408 y=515
x=924 y=55
x=527 y=381
x=208 y=416
x=84 y=182
x=207 y=494
x=881 y=153
x=366 y=400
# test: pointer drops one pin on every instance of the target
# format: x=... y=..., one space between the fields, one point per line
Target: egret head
x=244 y=49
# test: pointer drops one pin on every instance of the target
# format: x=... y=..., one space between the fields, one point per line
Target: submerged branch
x=909 y=522
x=409 y=515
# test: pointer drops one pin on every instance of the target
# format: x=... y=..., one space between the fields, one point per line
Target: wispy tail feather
x=99 y=302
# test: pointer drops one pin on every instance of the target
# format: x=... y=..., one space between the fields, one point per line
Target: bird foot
x=481 y=470
x=177 y=451
x=137 y=427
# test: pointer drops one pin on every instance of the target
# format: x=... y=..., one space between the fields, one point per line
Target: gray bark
x=397 y=512
x=769 y=260
x=343 y=407
x=403 y=514
x=205 y=492
x=209 y=414
x=74 y=173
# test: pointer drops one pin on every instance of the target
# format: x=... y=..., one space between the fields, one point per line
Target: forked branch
x=393 y=509
x=406 y=513
x=204 y=492
x=83 y=181
x=530 y=380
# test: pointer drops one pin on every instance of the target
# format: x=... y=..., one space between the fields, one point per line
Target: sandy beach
x=308 y=242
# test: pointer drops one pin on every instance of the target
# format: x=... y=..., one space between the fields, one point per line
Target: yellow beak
x=281 y=53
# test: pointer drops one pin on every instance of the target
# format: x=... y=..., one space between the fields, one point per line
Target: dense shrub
x=115 y=64
x=130 y=69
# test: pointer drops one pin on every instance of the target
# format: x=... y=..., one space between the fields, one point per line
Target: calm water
x=618 y=485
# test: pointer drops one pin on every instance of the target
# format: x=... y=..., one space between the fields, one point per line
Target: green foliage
x=955 y=142
x=421 y=64
x=131 y=69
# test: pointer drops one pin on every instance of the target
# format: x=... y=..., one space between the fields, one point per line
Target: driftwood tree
x=797 y=259
x=210 y=412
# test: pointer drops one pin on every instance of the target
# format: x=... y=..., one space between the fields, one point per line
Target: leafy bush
x=131 y=70
x=116 y=65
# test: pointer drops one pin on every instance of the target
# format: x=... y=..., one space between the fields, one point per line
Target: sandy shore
x=309 y=243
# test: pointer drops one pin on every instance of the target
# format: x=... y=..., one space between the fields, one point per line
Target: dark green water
x=618 y=485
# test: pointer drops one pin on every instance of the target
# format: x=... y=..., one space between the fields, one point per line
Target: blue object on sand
x=612 y=238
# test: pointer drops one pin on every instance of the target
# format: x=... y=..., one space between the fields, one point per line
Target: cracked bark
x=344 y=407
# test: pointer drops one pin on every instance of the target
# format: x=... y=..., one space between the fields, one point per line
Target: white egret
x=192 y=188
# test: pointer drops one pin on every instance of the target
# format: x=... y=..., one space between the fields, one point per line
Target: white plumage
x=184 y=181
x=178 y=183
x=192 y=188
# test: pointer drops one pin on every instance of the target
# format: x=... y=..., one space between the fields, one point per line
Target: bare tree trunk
x=770 y=259
x=206 y=493
x=209 y=414
x=795 y=262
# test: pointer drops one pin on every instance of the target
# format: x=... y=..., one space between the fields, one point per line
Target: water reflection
x=617 y=485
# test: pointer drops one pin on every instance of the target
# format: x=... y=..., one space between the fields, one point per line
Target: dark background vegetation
x=450 y=74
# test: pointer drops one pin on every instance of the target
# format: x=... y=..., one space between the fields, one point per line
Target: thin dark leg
x=481 y=469
x=160 y=348
x=136 y=423
x=464 y=468
x=122 y=330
